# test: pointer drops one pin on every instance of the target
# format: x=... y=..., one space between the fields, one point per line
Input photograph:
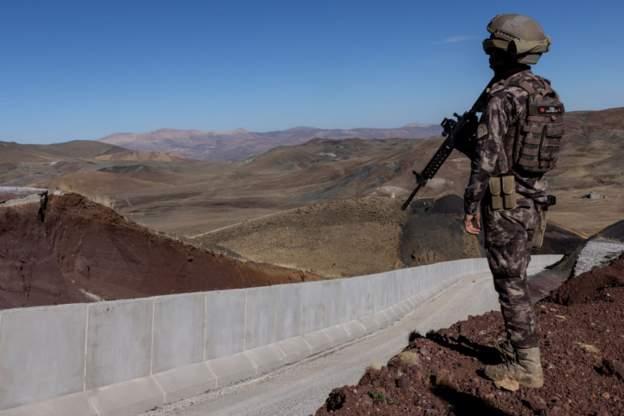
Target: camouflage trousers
x=508 y=239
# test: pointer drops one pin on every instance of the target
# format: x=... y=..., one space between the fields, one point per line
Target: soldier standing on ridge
x=517 y=141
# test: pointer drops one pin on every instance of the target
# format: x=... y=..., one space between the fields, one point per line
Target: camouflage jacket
x=505 y=111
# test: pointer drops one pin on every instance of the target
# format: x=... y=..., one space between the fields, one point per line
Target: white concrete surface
x=119 y=341
x=178 y=335
x=597 y=252
x=20 y=190
x=41 y=354
x=127 y=398
x=260 y=316
x=225 y=323
x=122 y=357
x=288 y=312
x=71 y=404
x=186 y=381
x=301 y=389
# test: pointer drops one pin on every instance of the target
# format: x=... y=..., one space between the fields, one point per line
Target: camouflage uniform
x=508 y=233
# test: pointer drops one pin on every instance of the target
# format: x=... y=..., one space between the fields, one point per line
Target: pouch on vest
x=495 y=193
x=503 y=192
x=539 y=143
x=509 y=191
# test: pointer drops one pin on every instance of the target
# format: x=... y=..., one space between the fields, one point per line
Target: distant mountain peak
x=419 y=125
x=303 y=128
x=240 y=143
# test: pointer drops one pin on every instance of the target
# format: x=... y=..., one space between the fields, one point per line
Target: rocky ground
x=582 y=342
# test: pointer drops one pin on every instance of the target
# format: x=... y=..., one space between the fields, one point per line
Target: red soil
x=83 y=246
x=582 y=343
x=594 y=286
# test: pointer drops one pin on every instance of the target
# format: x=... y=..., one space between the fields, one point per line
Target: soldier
x=517 y=142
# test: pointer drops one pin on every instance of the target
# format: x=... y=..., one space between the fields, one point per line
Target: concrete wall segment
x=132 y=353
x=337 y=334
x=288 y=311
x=127 y=398
x=355 y=329
x=295 y=348
x=317 y=341
x=314 y=308
x=371 y=322
x=334 y=295
x=260 y=316
x=225 y=323
x=351 y=299
x=376 y=289
x=119 y=342
x=71 y=404
x=186 y=381
x=367 y=296
x=232 y=369
x=266 y=358
x=178 y=335
x=41 y=353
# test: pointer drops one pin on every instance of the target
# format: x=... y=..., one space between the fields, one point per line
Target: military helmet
x=520 y=36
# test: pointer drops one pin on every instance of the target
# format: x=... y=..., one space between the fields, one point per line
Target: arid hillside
x=34 y=165
x=329 y=238
x=357 y=236
x=190 y=197
x=592 y=160
x=82 y=251
x=328 y=207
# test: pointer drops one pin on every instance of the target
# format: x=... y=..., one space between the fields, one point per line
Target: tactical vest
x=536 y=139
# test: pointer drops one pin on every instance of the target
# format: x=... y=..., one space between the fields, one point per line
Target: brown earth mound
x=357 y=236
x=349 y=237
x=84 y=251
x=583 y=357
x=595 y=285
x=434 y=237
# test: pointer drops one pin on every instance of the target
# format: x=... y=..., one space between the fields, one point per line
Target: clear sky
x=84 y=69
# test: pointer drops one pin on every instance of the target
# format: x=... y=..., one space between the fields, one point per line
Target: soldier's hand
x=472 y=223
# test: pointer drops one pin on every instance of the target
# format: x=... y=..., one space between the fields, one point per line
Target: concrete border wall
x=124 y=357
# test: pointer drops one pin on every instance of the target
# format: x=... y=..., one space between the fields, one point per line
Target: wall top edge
x=547 y=257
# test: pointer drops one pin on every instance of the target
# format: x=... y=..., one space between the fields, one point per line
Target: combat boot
x=525 y=369
x=505 y=350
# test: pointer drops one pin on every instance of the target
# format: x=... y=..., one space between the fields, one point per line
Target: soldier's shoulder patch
x=482 y=131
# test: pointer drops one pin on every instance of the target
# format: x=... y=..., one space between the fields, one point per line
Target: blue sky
x=84 y=69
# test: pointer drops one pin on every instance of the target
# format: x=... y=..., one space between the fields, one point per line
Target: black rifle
x=458 y=134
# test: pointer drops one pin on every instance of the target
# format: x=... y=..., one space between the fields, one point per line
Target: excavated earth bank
x=84 y=251
x=582 y=342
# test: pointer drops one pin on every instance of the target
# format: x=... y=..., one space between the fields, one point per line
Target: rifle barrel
x=412 y=195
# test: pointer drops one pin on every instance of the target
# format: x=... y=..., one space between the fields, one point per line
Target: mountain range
x=188 y=197
x=241 y=144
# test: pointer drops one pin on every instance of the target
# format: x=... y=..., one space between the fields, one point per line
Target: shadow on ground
x=464 y=404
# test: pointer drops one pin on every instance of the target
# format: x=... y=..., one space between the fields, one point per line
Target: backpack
x=538 y=138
